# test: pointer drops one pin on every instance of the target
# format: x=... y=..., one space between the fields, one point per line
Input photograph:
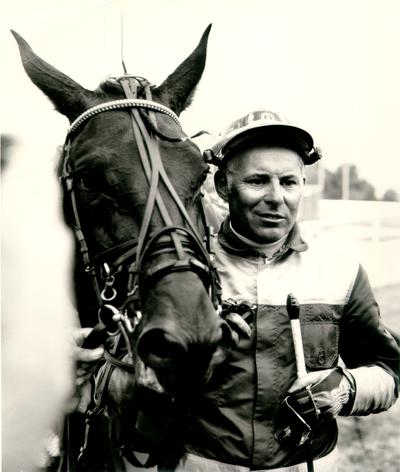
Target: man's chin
x=270 y=236
x=263 y=234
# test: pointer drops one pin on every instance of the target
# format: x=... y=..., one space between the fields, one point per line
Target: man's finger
x=82 y=377
x=80 y=334
x=88 y=355
x=309 y=379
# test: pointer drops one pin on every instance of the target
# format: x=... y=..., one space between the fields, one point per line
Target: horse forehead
x=107 y=143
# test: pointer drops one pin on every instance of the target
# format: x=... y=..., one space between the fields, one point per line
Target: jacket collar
x=232 y=244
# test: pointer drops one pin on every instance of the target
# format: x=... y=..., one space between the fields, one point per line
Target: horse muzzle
x=178 y=360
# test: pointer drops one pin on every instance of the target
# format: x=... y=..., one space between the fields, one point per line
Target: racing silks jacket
x=340 y=322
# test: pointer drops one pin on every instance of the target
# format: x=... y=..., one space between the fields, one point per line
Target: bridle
x=184 y=246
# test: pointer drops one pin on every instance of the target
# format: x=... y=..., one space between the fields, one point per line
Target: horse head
x=132 y=197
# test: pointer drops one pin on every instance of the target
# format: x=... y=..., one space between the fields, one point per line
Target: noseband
x=184 y=246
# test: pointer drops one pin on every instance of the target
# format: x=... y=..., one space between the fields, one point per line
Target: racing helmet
x=266 y=125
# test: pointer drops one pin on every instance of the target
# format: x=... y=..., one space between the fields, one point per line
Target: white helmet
x=265 y=123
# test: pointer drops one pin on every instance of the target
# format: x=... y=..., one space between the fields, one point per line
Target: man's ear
x=221 y=185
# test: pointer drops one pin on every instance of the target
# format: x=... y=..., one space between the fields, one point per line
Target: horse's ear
x=68 y=96
x=178 y=88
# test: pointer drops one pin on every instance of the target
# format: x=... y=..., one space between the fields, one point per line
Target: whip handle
x=298 y=348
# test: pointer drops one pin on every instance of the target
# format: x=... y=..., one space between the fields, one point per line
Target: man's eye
x=289 y=183
x=256 y=181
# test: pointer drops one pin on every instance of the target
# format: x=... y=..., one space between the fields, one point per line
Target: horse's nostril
x=158 y=349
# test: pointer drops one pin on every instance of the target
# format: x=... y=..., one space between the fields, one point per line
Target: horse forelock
x=112 y=87
x=109 y=86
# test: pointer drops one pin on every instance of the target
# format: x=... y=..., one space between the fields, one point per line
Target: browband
x=123 y=103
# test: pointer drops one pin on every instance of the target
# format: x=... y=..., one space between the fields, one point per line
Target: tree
x=359 y=189
x=390 y=196
x=7 y=141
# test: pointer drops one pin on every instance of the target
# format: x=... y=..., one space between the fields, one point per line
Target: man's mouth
x=271 y=216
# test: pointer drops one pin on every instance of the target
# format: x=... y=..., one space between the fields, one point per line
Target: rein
x=183 y=242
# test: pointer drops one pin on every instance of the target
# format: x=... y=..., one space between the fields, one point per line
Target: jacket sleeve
x=369 y=350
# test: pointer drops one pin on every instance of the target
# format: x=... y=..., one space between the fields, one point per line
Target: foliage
x=390 y=196
x=359 y=189
x=7 y=141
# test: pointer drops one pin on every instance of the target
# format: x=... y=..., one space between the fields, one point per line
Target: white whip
x=293 y=310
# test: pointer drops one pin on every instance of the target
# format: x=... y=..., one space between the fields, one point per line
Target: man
x=255 y=414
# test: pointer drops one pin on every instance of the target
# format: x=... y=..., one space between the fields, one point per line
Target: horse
x=143 y=272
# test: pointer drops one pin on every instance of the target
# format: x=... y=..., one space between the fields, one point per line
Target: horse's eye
x=90 y=182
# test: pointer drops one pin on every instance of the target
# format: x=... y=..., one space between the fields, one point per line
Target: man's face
x=264 y=186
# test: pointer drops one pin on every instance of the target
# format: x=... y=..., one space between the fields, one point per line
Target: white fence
x=372 y=227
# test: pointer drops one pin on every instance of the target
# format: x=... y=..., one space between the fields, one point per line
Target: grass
x=372 y=443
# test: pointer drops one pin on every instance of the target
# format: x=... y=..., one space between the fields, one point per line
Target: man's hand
x=235 y=314
x=313 y=397
x=86 y=361
x=330 y=391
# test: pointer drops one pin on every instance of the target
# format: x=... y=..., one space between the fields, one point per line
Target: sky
x=331 y=67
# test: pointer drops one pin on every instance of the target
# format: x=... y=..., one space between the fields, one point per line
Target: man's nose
x=274 y=193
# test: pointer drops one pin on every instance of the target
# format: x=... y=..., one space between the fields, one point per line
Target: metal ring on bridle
x=108 y=298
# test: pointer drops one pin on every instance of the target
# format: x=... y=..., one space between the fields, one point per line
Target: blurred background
x=331 y=67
